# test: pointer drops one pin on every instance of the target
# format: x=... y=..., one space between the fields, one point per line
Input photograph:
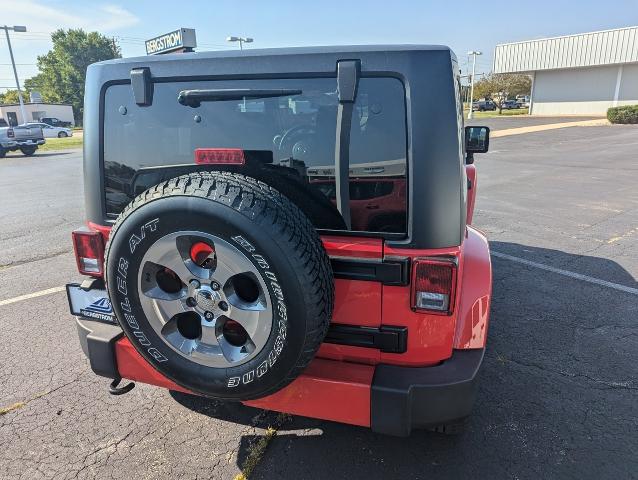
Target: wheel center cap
x=207 y=299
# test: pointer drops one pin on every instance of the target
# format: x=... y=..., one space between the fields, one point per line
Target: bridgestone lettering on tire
x=221 y=283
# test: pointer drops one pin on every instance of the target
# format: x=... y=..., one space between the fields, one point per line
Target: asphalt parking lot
x=558 y=392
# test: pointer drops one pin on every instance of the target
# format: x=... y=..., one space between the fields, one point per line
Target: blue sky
x=461 y=25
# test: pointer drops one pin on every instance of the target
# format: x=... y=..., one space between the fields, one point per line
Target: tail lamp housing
x=434 y=285
x=11 y=133
x=89 y=252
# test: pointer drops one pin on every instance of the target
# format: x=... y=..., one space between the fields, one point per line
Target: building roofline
x=567 y=36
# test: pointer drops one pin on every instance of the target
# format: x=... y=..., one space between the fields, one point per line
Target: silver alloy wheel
x=194 y=315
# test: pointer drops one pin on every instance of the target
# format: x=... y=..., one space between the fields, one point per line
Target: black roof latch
x=347 y=84
x=142 y=86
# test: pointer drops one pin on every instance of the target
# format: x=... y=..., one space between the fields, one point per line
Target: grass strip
x=60 y=144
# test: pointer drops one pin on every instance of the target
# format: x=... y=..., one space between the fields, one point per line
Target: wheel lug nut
x=191 y=302
x=209 y=316
x=194 y=283
x=223 y=306
x=215 y=286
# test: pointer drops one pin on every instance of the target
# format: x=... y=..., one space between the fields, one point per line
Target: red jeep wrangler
x=286 y=228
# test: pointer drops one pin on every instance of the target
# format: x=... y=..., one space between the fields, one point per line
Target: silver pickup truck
x=25 y=138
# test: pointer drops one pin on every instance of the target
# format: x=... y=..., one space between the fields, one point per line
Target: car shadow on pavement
x=555 y=399
x=234 y=412
x=54 y=153
x=302 y=435
x=254 y=419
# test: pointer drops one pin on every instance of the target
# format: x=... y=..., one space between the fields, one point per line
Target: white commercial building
x=582 y=74
x=35 y=111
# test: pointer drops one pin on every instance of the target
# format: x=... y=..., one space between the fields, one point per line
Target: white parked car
x=51 y=131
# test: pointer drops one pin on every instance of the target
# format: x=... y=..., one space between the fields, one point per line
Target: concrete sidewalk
x=548 y=126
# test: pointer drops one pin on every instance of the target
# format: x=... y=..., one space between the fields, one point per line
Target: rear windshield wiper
x=194 y=98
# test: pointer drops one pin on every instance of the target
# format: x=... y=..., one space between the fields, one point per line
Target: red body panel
x=329 y=390
x=474 y=302
x=131 y=365
x=351 y=247
x=357 y=303
x=337 y=384
x=312 y=394
x=347 y=353
x=431 y=337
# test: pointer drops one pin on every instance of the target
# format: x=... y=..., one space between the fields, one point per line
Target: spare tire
x=221 y=283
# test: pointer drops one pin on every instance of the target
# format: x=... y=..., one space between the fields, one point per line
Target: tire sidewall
x=152 y=221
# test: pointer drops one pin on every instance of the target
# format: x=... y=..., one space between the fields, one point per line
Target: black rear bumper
x=406 y=398
x=97 y=340
x=402 y=398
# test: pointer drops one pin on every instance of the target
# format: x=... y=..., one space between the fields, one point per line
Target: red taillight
x=89 y=252
x=11 y=133
x=433 y=285
x=219 y=156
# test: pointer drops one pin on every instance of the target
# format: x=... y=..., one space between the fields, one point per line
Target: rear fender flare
x=476 y=292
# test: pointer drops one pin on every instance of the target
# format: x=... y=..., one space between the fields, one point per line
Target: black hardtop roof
x=278 y=52
x=430 y=77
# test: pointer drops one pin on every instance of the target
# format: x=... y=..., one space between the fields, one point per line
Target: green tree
x=11 y=96
x=499 y=87
x=63 y=68
x=32 y=84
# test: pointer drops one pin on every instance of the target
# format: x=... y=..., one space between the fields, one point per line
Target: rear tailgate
x=26 y=133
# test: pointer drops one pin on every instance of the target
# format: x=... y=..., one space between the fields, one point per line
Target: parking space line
x=28 y=296
x=567 y=273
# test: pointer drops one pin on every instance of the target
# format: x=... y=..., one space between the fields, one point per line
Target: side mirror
x=477 y=139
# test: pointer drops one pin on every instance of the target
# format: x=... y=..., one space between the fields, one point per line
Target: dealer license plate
x=92 y=303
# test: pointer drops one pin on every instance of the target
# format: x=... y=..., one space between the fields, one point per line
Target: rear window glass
x=299 y=130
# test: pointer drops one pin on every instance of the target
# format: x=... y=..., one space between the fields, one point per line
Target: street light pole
x=241 y=41
x=16 y=28
x=474 y=53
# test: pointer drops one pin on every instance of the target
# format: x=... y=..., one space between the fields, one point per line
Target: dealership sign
x=182 y=39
